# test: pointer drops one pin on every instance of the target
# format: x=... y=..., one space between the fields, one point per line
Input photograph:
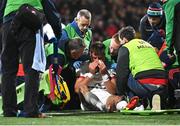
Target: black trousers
x=174 y=77
x=176 y=30
x=19 y=44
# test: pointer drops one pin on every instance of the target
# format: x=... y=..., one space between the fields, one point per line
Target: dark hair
x=116 y=38
x=76 y=43
x=127 y=32
x=97 y=48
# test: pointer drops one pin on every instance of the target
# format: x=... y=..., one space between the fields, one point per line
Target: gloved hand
x=167 y=59
x=113 y=66
x=77 y=64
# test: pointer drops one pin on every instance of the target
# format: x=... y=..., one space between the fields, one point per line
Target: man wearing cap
x=152 y=25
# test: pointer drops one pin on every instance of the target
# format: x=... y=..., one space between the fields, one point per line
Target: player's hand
x=113 y=66
x=93 y=66
x=102 y=67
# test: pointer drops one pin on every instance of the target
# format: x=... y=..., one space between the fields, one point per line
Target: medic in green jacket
x=111 y=49
x=72 y=50
x=139 y=59
x=78 y=28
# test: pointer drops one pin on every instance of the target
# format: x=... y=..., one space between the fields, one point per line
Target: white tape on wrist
x=105 y=77
x=89 y=75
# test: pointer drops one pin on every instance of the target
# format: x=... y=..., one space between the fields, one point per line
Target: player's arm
x=111 y=85
x=109 y=80
x=85 y=78
x=82 y=81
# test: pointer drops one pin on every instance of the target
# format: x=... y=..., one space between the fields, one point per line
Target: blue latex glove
x=77 y=64
x=113 y=66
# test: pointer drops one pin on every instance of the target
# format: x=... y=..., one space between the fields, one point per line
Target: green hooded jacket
x=13 y=5
x=168 y=7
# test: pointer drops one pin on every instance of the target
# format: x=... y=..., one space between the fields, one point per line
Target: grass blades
x=95 y=119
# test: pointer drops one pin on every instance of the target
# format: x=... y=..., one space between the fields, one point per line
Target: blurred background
x=108 y=16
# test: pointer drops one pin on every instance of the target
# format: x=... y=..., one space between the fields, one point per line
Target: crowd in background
x=108 y=16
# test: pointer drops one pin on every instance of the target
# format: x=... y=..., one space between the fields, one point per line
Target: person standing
x=2 y=6
x=19 y=40
x=172 y=14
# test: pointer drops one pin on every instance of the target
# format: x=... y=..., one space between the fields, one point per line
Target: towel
x=39 y=60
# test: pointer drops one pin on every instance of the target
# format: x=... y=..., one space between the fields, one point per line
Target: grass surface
x=95 y=119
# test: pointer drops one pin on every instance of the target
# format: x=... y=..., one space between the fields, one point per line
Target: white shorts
x=102 y=94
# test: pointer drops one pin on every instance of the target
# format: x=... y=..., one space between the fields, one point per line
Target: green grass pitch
x=95 y=119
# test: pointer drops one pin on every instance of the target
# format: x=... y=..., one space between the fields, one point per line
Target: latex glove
x=77 y=64
x=113 y=66
x=167 y=59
